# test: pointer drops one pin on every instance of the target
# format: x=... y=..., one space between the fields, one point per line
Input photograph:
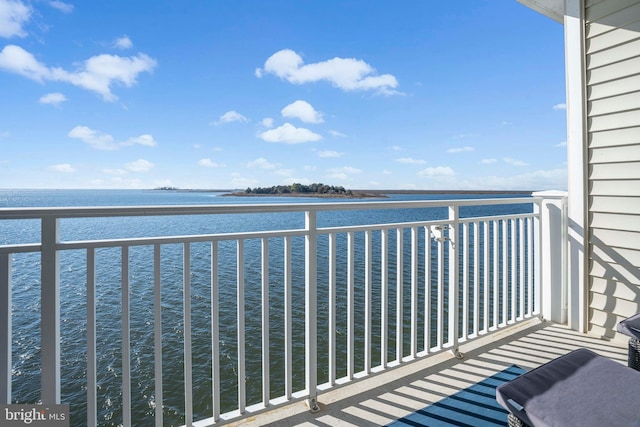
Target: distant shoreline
x=356 y=194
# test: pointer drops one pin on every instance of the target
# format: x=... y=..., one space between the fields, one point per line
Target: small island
x=301 y=190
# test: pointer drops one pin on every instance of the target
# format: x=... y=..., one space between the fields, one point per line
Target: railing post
x=454 y=254
x=311 y=309
x=553 y=241
x=5 y=328
x=50 y=314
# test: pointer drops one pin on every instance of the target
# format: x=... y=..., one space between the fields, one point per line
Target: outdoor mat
x=475 y=406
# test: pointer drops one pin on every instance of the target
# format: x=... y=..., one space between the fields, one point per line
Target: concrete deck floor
x=385 y=397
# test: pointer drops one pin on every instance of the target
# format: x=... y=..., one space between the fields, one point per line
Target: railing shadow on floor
x=382 y=399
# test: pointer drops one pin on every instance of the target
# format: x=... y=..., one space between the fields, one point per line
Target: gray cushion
x=577 y=389
x=630 y=326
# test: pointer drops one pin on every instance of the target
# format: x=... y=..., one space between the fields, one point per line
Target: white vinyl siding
x=613 y=124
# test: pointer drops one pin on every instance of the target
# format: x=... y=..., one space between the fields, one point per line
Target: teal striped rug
x=475 y=406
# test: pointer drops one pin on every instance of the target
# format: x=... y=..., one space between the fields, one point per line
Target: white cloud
x=62 y=167
x=139 y=165
x=343 y=172
x=145 y=139
x=460 y=149
x=437 y=171
x=55 y=98
x=558 y=107
x=100 y=72
x=337 y=134
x=561 y=144
x=488 y=161
x=410 y=161
x=465 y=135
x=61 y=6
x=103 y=141
x=17 y=60
x=302 y=110
x=208 y=163
x=94 y=138
x=348 y=74
x=284 y=172
x=330 y=153
x=396 y=148
x=13 y=15
x=241 y=182
x=96 y=74
x=123 y=43
x=230 y=117
x=289 y=134
x=261 y=163
x=267 y=122
x=292 y=180
x=116 y=172
x=552 y=179
x=514 y=162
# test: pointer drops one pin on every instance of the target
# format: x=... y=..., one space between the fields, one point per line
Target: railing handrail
x=141 y=241
x=170 y=210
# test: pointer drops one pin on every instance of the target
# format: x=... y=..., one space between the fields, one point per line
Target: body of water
x=26 y=297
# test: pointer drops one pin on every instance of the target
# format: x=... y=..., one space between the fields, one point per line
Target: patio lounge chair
x=579 y=388
x=631 y=328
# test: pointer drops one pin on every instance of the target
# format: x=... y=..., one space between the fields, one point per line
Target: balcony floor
x=387 y=396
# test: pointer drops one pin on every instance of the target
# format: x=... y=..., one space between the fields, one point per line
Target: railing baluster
x=126 y=340
x=399 y=295
x=476 y=278
x=350 y=307
x=496 y=274
x=465 y=280
x=367 y=303
x=487 y=271
x=514 y=271
x=92 y=382
x=215 y=332
x=440 y=302
x=157 y=334
x=537 y=227
x=5 y=328
x=384 y=297
x=288 y=343
x=454 y=252
x=332 y=308
x=50 y=312
x=265 y=323
x=242 y=386
x=427 y=290
x=505 y=271
x=530 y=258
x=186 y=304
x=521 y=282
x=414 y=292
x=311 y=308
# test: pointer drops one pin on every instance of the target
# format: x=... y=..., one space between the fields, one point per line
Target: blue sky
x=386 y=94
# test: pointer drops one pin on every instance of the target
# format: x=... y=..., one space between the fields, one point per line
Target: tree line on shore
x=316 y=188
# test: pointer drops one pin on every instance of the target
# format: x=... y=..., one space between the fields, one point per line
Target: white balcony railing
x=203 y=328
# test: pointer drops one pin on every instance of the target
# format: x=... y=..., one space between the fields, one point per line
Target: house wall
x=612 y=61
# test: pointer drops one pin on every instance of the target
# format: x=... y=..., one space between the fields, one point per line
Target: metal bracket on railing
x=456 y=353
x=313 y=405
x=437 y=233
